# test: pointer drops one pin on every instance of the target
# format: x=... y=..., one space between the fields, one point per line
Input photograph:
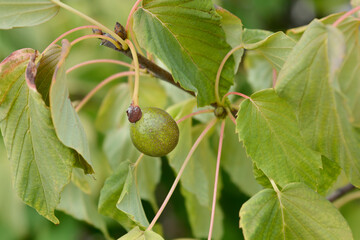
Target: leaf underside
x=41 y=164
x=25 y=13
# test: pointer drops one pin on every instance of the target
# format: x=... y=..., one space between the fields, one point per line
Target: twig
x=338 y=193
x=149 y=65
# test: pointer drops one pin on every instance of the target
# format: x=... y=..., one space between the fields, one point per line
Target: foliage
x=294 y=140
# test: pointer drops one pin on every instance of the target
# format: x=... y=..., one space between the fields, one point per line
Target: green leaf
x=308 y=82
x=137 y=234
x=295 y=212
x=236 y=163
x=269 y=129
x=130 y=202
x=329 y=174
x=82 y=207
x=349 y=76
x=110 y=194
x=233 y=29
x=261 y=178
x=119 y=148
x=45 y=71
x=188 y=38
x=275 y=47
x=66 y=121
x=41 y=164
x=25 y=13
x=259 y=71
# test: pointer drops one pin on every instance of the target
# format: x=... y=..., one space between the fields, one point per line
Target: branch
x=149 y=65
x=338 y=193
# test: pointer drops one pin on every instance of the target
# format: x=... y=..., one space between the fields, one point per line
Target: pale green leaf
x=269 y=129
x=349 y=76
x=259 y=71
x=110 y=194
x=198 y=209
x=308 y=82
x=82 y=207
x=199 y=216
x=81 y=180
x=275 y=48
x=194 y=177
x=66 y=121
x=112 y=113
x=253 y=36
x=25 y=13
x=295 y=212
x=233 y=29
x=119 y=148
x=236 y=163
x=12 y=210
x=130 y=202
x=137 y=234
x=188 y=38
x=41 y=164
x=355 y=3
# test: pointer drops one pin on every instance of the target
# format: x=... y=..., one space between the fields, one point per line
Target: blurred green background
x=18 y=221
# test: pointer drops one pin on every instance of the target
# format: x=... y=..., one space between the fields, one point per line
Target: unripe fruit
x=156 y=133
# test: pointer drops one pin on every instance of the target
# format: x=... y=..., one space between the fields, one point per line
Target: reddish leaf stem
x=194 y=114
x=67 y=33
x=100 y=85
x=236 y=93
x=343 y=17
x=96 y=36
x=231 y=116
x=274 y=77
x=99 y=61
x=177 y=179
x=131 y=14
x=218 y=74
x=216 y=179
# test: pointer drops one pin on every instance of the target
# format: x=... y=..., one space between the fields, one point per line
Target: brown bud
x=134 y=113
x=120 y=31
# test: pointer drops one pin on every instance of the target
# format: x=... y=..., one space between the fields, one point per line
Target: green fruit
x=156 y=133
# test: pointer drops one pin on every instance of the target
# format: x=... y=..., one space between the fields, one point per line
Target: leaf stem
x=338 y=193
x=346 y=199
x=276 y=189
x=343 y=17
x=67 y=33
x=197 y=142
x=194 y=114
x=98 y=61
x=91 y=20
x=274 y=77
x=235 y=93
x=135 y=98
x=99 y=86
x=90 y=36
x=133 y=9
x=216 y=179
x=231 y=116
x=217 y=80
